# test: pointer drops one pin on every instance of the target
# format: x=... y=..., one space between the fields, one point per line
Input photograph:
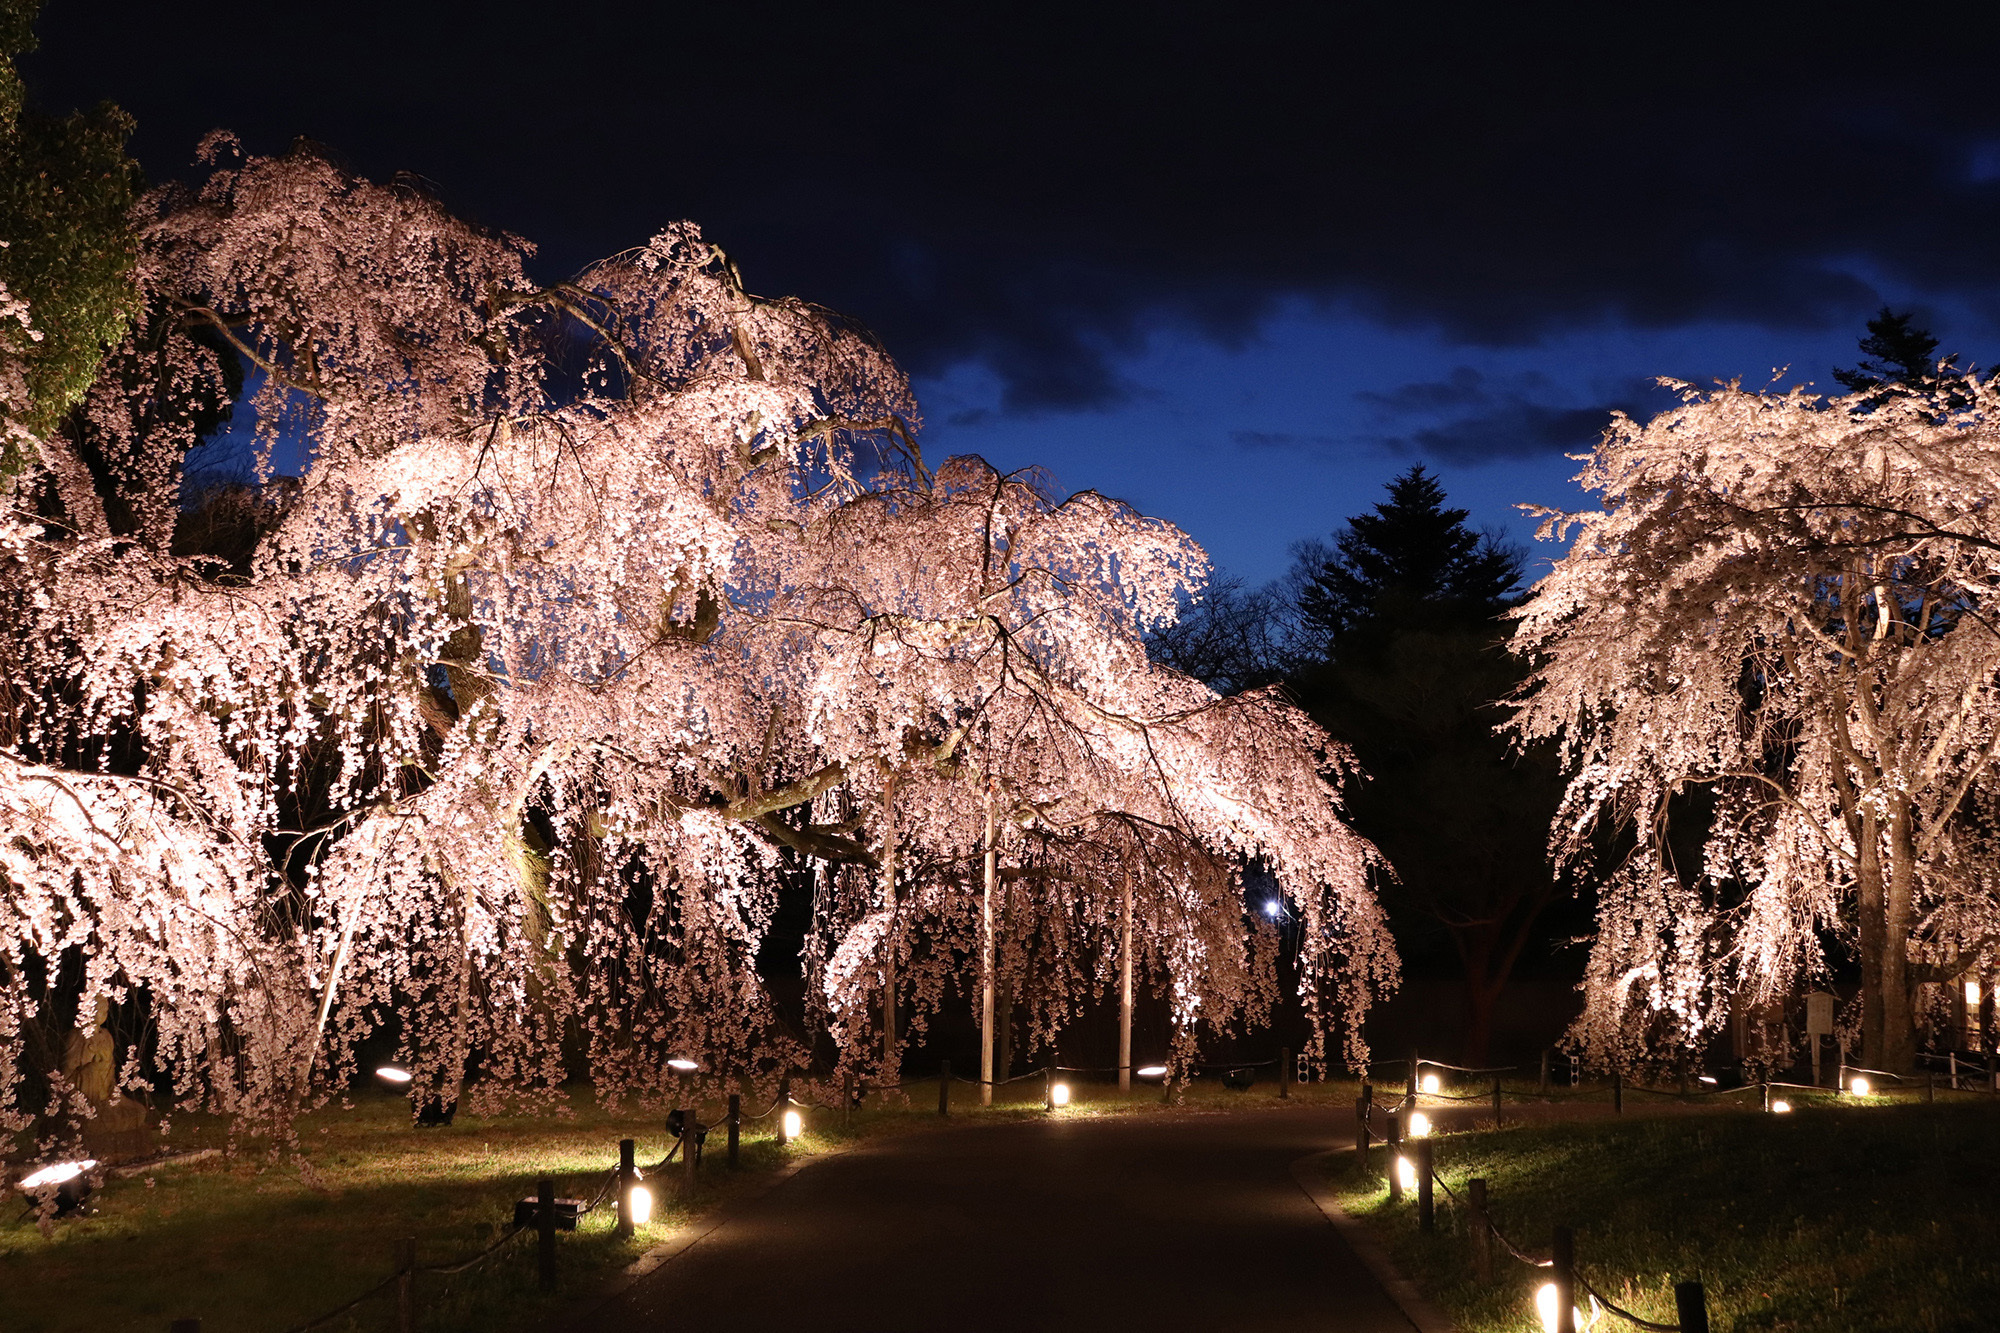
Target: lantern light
x=641 y=1205
x=1059 y=1094
x=1859 y=1086
x=680 y=1064
x=393 y=1075
x=1420 y=1125
x=1780 y=1106
x=1151 y=1071
x=1406 y=1173
x=795 y=1124
x=1972 y=992
x=1545 y=1306
x=1430 y=1083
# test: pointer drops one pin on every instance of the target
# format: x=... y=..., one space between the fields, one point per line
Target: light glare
x=642 y=1205
x=1430 y=1083
x=1059 y=1094
x=1406 y=1173
x=1780 y=1106
x=795 y=1124
x=1545 y=1306
x=56 y=1173
x=1274 y=909
x=391 y=1074
x=1151 y=1071
x=680 y=1064
x=1420 y=1125
x=1972 y=992
x=1858 y=1085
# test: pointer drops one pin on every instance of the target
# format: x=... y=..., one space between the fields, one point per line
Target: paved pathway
x=1159 y=1222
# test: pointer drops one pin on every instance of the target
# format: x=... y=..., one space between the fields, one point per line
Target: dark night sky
x=1238 y=265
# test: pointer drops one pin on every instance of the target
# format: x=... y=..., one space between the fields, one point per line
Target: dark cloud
x=1487 y=419
x=1034 y=186
x=1277 y=440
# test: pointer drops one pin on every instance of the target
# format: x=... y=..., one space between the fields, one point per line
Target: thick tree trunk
x=1884 y=894
x=889 y=936
x=1125 y=991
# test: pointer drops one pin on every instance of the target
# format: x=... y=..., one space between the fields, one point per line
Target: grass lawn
x=259 y=1242
x=1883 y=1216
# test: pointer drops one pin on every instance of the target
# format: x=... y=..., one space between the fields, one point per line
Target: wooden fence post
x=1364 y=1107
x=1930 y=1086
x=545 y=1223
x=625 y=1170
x=778 y=1108
x=1545 y=1071
x=944 y=1087
x=735 y=1125
x=1048 y=1087
x=1766 y=1086
x=1482 y=1232
x=1395 y=1150
x=1563 y=1270
x=1284 y=1071
x=1691 y=1304
x=1411 y=1092
x=1426 y=1196
x=406 y=1285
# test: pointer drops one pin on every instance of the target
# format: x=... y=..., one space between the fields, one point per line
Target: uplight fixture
x=1151 y=1071
x=62 y=1182
x=1780 y=1106
x=1971 y=994
x=795 y=1125
x=1859 y=1086
x=641 y=1204
x=1406 y=1173
x=1430 y=1083
x=1059 y=1094
x=1545 y=1306
x=1708 y=1079
x=680 y=1064
x=393 y=1075
x=1420 y=1125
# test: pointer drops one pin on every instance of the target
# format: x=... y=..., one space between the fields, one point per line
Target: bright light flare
x=56 y=1173
x=642 y=1205
x=393 y=1074
x=1545 y=1306
x=1420 y=1125
x=1708 y=1080
x=1972 y=992
x=680 y=1064
x=795 y=1124
x=1059 y=1095
x=1430 y=1083
x=1780 y=1107
x=1151 y=1071
x=1859 y=1086
x=1406 y=1173
x=1274 y=909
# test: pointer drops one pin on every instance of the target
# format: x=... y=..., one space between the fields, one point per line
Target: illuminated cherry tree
x=1771 y=662
x=598 y=609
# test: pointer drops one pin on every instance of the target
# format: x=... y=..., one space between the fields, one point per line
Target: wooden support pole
x=1426 y=1196
x=1125 y=989
x=626 y=1168
x=406 y=1285
x=691 y=1153
x=1545 y=1070
x=1766 y=1085
x=1048 y=1087
x=1363 y=1105
x=1563 y=1271
x=1930 y=1087
x=784 y=1101
x=1284 y=1071
x=1411 y=1092
x=944 y=1087
x=1482 y=1232
x=545 y=1225
x=1691 y=1305
x=735 y=1125
x=1395 y=1149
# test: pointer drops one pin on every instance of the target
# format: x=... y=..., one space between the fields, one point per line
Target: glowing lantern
x=1420 y=1125
x=393 y=1076
x=1858 y=1085
x=1406 y=1173
x=1780 y=1106
x=1972 y=993
x=642 y=1205
x=795 y=1124
x=1430 y=1083
x=1059 y=1094
x=1545 y=1305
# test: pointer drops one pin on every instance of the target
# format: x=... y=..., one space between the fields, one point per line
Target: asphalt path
x=1171 y=1221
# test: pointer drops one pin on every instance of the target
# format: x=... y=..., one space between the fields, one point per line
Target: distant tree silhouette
x=1904 y=360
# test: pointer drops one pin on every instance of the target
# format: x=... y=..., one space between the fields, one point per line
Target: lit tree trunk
x=889 y=936
x=986 y=962
x=1125 y=991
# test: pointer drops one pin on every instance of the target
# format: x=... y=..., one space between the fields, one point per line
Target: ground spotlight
x=1406 y=1173
x=1151 y=1071
x=1545 y=1306
x=1780 y=1106
x=680 y=1064
x=1059 y=1094
x=62 y=1182
x=1430 y=1083
x=1420 y=1125
x=642 y=1205
x=394 y=1076
x=1859 y=1086
x=795 y=1124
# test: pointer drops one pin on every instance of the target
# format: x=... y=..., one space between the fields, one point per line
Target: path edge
x=1416 y=1307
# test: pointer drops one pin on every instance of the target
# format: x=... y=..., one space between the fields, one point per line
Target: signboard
x=1819 y=1014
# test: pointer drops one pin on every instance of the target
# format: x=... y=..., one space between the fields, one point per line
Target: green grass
x=1883 y=1217
x=260 y=1241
